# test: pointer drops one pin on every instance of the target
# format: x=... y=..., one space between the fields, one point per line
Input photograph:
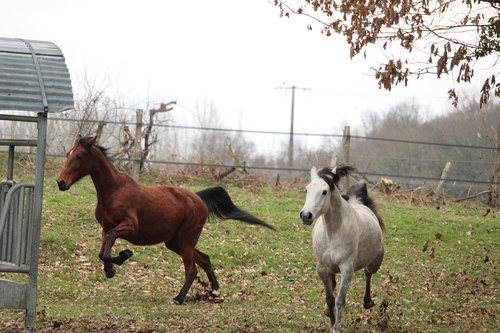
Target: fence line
x=285 y=169
x=283 y=133
x=301 y=170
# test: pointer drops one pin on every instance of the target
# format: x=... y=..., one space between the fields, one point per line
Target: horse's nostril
x=62 y=185
x=301 y=215
x=309 y=216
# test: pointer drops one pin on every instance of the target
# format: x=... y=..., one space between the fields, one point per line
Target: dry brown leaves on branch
x=440 y=35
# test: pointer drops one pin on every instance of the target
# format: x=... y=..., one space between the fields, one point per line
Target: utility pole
x=290 y=143
x=292 y=116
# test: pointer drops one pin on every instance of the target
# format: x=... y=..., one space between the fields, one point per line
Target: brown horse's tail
x=220 y=205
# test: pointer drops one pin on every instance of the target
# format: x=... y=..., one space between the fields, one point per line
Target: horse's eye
x=79 y=157
x=324 y=192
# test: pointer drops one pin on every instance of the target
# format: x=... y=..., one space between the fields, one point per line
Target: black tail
x=360 y=191
x=219 y=204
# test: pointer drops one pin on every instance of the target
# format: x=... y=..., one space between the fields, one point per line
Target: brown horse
x=147 y=215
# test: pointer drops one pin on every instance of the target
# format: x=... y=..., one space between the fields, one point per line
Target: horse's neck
x=106 y=178
x=335 y=216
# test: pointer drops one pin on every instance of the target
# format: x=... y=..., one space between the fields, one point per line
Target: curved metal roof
x=33 y=77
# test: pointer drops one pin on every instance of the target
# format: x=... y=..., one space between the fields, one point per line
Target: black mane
x=328 y=176
x=360 y=192
x=88 y=141
x=331 y=178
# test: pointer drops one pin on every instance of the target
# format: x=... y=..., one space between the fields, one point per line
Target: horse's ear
x=314 y=172
x=78 y=138
x=92 y=141
x=342 y=170
x=88 y=141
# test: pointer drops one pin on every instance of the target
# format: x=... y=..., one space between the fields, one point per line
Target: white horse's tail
x=360 y=192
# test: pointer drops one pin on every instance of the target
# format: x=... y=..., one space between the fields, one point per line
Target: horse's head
x=78 y=163
x=319 y=191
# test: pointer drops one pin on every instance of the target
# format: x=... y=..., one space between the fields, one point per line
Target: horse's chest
x=332 y=255
x=332 y=249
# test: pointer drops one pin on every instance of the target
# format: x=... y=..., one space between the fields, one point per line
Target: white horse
x=347 y=236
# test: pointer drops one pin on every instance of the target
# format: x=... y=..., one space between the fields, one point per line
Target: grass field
x=439 y=275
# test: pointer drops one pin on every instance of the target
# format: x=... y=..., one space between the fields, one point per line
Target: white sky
x=233 y=53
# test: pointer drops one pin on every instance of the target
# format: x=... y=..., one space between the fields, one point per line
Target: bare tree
x=148 y=135
x=125 y=144
x=93 y=107
x=433 y=36
x=213 y=146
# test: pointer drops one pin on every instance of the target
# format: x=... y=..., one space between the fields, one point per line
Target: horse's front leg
x=347 y=272
x=108 y=240
x=329 y=283
x=126 y=228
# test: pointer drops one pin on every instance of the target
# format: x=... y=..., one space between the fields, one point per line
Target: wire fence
x=410 y=162
x=331 y=135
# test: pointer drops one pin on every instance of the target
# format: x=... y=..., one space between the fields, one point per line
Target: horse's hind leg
x=188 y=255
x=369 y=271
x=203 y=261
x=190 y=273
x=367 y=300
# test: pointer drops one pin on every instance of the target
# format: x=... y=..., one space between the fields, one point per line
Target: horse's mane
x=360 y=192
x=328 y=176
x=88 y=141
x=332 y=178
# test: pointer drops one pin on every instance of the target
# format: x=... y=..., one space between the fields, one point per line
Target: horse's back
x=177 y=201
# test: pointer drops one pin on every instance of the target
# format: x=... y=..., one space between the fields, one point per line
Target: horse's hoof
x=126 y=254
x=122 y=257
x=369 y=305
x=110 y=273
x=178 y=300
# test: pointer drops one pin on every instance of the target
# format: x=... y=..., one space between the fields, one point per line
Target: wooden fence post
x=100 y=127
x=444 y=175
x=137 y=145
x=346 y=143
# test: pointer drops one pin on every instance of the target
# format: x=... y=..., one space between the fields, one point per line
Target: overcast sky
x=235 y=54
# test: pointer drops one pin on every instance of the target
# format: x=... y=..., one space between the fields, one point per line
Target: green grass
x=268 y=279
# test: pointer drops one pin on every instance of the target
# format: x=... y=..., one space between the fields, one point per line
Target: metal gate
x=33 y=78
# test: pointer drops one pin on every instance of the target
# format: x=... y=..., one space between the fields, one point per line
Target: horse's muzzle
x=62 y=185
x=307 y=218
